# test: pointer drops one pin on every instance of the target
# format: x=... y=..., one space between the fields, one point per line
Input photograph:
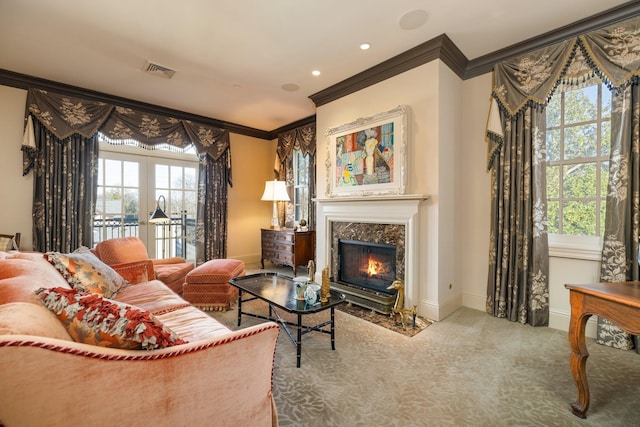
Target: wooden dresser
x=288 y=247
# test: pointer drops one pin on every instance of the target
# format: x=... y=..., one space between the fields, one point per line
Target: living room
x=446 y=161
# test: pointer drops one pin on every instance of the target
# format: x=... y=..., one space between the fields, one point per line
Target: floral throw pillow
x=85 y=272
x=92 y=319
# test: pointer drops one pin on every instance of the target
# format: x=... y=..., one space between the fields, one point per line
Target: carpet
x=470 y=369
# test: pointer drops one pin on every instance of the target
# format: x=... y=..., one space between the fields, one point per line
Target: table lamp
x=275 y=191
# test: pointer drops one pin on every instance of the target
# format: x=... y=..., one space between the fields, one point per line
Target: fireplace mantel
x=379 y=209
x=377 y=198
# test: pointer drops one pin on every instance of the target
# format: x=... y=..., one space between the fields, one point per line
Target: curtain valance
x=611 y=53
x=64 y=116
x=303 y=137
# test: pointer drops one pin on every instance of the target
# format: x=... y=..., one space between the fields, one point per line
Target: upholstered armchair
x=171 y=271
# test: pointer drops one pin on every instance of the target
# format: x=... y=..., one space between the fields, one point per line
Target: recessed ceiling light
x=414 y=19
x=365 y=46
x=290 y=87
x=315 y=73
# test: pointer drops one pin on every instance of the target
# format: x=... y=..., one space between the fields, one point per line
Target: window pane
x=100 y=201
x=579 y=218
x=131 y=174
x=581 y=141
x=581 y=105
x=553 y=145
x=604 y=177
x=190 y=180
x=606 y=137
x=132 y=202
x=162 y=176
x=176 y=202
x=176 y=177
x=553 y=112
x=113 y=172
x=113 y=200
x=553 y=182
x=579 y=180
x=100 y=172
x=553 y=217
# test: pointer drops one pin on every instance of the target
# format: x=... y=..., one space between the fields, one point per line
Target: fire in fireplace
x=371 y=266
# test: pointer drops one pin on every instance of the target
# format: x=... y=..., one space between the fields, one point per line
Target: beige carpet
x=470 y=369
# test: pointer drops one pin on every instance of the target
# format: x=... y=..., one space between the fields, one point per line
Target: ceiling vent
x=158 y=70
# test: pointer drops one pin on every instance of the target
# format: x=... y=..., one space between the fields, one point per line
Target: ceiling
x=232 y=58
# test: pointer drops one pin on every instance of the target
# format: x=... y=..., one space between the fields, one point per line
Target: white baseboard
x=434 y=310
x=560 y=320
x=557 y=319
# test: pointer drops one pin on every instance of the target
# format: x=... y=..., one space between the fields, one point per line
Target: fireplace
x=392 y=220
x=371 y=266
x=354 y=245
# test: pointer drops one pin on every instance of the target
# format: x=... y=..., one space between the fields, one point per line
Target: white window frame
x=577 y=246
x=147 y=160
x=296 y=185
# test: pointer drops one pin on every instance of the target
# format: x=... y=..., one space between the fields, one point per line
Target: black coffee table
x=279 y=292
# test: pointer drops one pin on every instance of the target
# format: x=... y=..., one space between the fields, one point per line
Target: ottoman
x=207 y=286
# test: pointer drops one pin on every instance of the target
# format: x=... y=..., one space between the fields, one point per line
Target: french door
x=131 y=186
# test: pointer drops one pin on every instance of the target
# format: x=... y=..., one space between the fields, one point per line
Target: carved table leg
x=579 y=354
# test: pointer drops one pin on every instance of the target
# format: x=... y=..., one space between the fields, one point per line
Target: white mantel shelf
x=376 y=198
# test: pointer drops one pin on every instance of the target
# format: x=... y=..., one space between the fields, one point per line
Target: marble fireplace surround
x=335 y=214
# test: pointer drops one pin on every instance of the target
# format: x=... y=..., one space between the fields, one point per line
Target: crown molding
x=302 y=122
x=484 y=64
x=440 y=47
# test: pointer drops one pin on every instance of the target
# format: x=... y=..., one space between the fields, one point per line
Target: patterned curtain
x=65 y=190
x=67 y=118
x=304 y=139
x=518 y=285
x=211 y=224
x=522 y=87
x=620 y=248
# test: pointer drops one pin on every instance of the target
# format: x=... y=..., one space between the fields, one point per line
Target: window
x=578 y=140
x=130 y=182
x=179 y=186
x=300 y=186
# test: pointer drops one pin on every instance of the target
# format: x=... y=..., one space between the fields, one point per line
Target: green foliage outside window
x=578 y=140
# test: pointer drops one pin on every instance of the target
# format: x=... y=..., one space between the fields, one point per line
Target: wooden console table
x=617 y=302
x=287 y=247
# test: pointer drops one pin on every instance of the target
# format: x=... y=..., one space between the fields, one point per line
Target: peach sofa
x=218 y=377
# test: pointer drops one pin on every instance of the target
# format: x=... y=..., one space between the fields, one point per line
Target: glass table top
x=279 y=290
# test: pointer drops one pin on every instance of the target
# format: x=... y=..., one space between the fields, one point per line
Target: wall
x=252 y=163
x=16 y=191
x=433 y=94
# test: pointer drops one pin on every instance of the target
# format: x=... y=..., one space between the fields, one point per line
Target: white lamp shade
x=275 y=191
